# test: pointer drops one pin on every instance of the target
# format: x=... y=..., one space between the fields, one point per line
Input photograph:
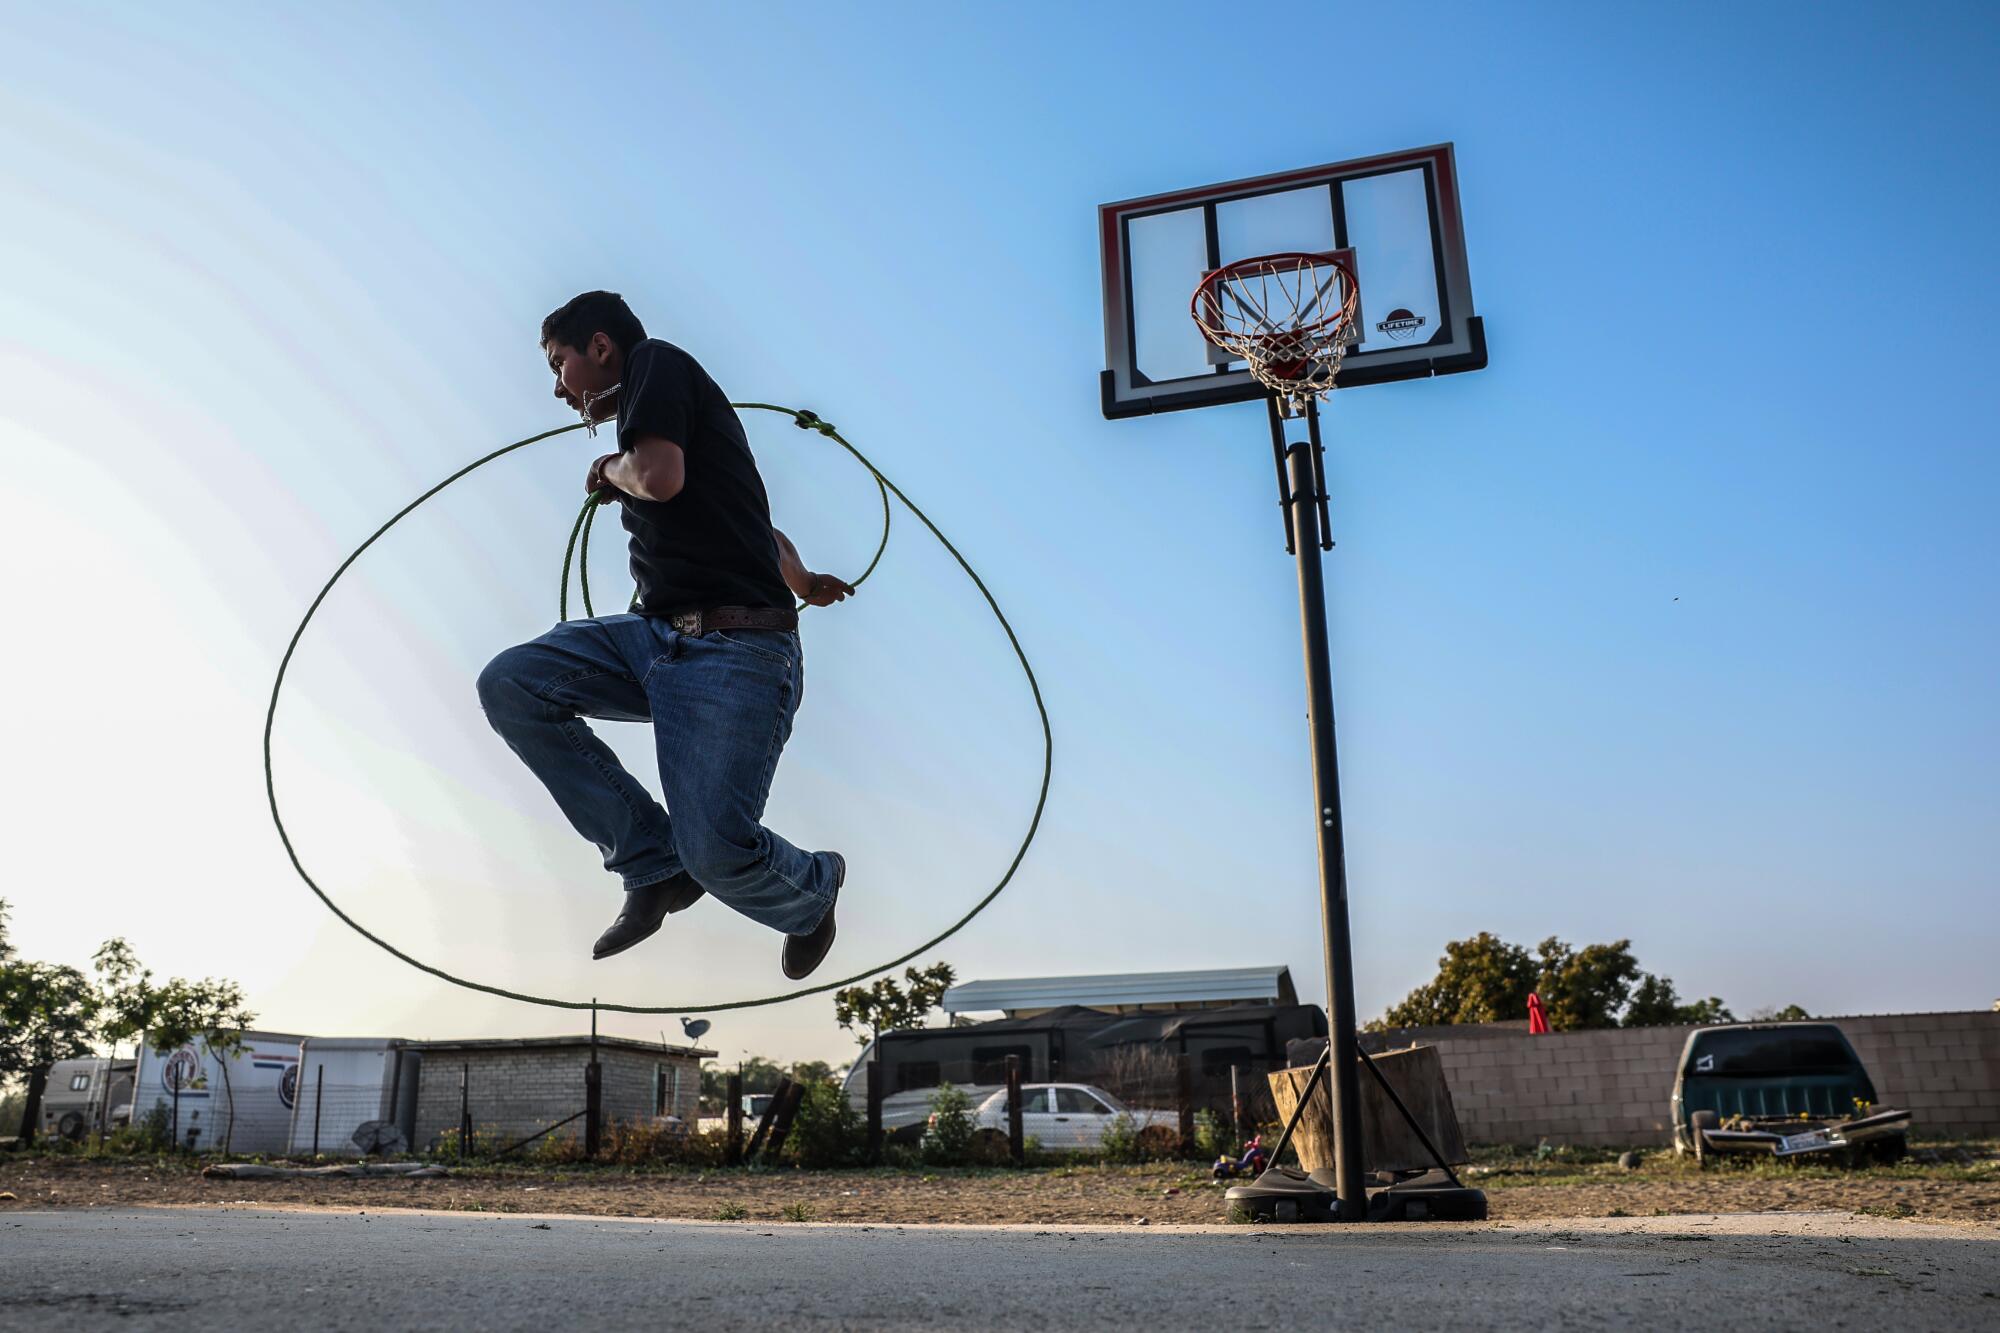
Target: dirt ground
x=1958 y=1184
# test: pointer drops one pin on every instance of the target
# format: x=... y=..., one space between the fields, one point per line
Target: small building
x=516 y=1086
x=1126 y=992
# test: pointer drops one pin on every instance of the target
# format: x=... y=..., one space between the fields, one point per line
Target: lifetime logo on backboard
x=1401 y=325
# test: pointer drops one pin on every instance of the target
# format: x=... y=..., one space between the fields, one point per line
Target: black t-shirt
x=711 y=545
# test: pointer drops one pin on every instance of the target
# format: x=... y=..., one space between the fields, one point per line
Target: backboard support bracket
x=1280 y=447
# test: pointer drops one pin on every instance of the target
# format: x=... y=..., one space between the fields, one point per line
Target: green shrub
x=145 y=1136
x=656 y=1143
x=556 y=1149
x=1126 y=1143
x=827 y=1131
x=1121 y=1140
x=1214 y=1136
x=485 y=1143
x=948 y=1141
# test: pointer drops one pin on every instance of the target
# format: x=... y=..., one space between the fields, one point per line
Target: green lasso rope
x=580 y=536
x=579 y=531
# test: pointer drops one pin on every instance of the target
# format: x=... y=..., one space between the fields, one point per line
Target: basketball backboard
x=1394 y=217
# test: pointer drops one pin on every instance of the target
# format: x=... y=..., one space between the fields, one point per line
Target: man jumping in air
x=710 y=654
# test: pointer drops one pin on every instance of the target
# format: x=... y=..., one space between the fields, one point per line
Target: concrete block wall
x=514 y=1091
x=1613 y=1088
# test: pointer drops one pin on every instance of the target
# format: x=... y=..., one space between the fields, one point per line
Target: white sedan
x=1067 y=1117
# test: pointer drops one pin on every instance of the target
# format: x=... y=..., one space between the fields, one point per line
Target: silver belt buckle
x=686 y=622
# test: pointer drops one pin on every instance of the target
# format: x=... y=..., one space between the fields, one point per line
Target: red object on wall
x=1538 y=1022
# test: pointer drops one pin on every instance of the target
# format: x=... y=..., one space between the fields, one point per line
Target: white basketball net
x=1288 y=316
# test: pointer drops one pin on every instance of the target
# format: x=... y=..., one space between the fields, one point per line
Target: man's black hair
x=591 y=313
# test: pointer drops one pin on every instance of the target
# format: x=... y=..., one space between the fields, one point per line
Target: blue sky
x=1677 y=623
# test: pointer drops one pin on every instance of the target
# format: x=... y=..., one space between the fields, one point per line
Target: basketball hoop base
x=1285 y=1194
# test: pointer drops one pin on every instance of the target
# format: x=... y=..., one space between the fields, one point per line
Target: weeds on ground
x=800 y=1212
x=1546 y=1164
x=657 y=1143
x=1896 y=1211
x=731 y=1212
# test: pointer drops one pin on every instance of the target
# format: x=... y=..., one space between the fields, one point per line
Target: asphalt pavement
x=250 y=1267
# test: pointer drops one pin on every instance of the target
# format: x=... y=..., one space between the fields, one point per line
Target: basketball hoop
x=1289 y=316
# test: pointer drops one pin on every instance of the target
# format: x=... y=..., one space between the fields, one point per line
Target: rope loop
x=579 y=537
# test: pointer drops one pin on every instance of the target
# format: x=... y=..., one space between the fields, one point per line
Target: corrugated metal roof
x=1126 y=988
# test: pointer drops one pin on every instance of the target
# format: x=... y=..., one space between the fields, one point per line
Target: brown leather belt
x=697 y=623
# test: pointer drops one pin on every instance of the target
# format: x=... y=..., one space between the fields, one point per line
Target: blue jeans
x=721 y=706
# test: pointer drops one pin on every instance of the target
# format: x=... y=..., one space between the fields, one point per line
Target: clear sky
x=1678 y=623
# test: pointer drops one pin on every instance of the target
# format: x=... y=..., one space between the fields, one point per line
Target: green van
x=1780 y=1088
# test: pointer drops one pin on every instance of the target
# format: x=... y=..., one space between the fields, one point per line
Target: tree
x=1480 y=980
x=173 y=1014
x=759 y=1076
x=1587 y=987
x=48 y=1012
x=170 y=1015
x=1791 y=1013
x=51 y=1012
x=1655 y=1004
x=887 y=1007
x=1485 y=979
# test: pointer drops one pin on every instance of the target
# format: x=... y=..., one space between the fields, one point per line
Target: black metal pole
x=593 y=1109
x=593 y=1093
x=1304 y=503
x=319 y=1095
x=1017 y=1145
x=1184 y=1101
x=875 y=1086
x=733 y=1153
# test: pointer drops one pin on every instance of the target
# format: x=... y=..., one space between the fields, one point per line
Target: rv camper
x=86 y=1097
x=357 y=1095
x=209 y=1103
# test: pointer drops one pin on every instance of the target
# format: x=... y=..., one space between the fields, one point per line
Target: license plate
x=1801 y=1142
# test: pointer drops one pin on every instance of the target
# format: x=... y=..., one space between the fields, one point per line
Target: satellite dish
x=694 y=1027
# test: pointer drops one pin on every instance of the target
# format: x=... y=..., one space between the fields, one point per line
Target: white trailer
x=357 y=1095
x=207 y=1103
